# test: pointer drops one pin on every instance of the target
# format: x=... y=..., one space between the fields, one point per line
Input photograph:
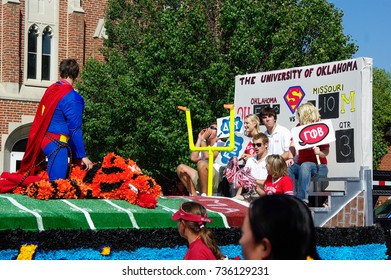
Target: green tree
x=164 y=53
x=381 y=114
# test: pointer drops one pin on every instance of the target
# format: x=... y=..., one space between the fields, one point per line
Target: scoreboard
x=342 y=91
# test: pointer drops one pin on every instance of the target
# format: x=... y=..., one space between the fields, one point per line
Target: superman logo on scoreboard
x=293 y=97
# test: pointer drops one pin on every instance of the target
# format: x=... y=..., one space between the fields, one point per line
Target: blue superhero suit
x=64 y=134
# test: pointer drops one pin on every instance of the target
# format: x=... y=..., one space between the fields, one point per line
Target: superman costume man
x=56 y=132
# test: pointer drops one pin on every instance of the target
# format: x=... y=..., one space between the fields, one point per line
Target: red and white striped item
x=231 y=169
x=381 y=183
x=244 y=179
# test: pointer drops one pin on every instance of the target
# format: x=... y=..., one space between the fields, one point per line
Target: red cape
x=33 y=154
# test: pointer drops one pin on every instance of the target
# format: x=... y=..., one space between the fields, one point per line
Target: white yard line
x=23 y=208
x=168 y=209
x=223 y=217
x=242 y=202
x=86 y=214
x=130 y=214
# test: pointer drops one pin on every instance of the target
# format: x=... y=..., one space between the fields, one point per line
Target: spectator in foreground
x=192 y=218
x=278 y=227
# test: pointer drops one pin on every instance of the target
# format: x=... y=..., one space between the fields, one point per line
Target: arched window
x=46 y=52
x=40 y=52
x=32 y=52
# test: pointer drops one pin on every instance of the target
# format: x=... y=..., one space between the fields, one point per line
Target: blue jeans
x=303 y=173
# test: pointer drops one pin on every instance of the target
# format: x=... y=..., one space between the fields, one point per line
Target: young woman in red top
x=192 y=218
x=251 y=128
x=307 y=165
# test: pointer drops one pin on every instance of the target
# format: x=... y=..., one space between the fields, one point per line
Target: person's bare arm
x=260 y=191
x=87 y=163
x=195 y=156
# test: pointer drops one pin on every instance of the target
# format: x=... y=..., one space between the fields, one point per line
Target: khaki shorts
x=215 y=184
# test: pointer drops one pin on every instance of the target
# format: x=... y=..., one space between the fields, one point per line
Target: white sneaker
x=203 y=194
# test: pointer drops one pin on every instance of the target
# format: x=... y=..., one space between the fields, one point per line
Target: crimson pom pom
x=146 y=201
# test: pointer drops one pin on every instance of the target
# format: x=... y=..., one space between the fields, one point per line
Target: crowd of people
x=278 y=224
x=271 y=164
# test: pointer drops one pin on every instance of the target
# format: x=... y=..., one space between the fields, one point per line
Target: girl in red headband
x=192 y=218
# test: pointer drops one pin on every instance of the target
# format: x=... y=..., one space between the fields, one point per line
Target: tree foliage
x=164 y=53
x=381 y=114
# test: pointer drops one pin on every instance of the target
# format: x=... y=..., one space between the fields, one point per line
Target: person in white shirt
x=280 y=138
x=257 y=163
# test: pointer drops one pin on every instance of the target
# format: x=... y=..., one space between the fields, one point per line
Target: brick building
x=35 y=36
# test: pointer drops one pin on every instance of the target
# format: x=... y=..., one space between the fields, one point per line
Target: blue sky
x=368 y=22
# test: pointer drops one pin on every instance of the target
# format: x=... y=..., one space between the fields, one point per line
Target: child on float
x=277 y=180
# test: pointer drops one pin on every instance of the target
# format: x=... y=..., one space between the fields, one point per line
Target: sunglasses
x=257 y=144
x=213 y=127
